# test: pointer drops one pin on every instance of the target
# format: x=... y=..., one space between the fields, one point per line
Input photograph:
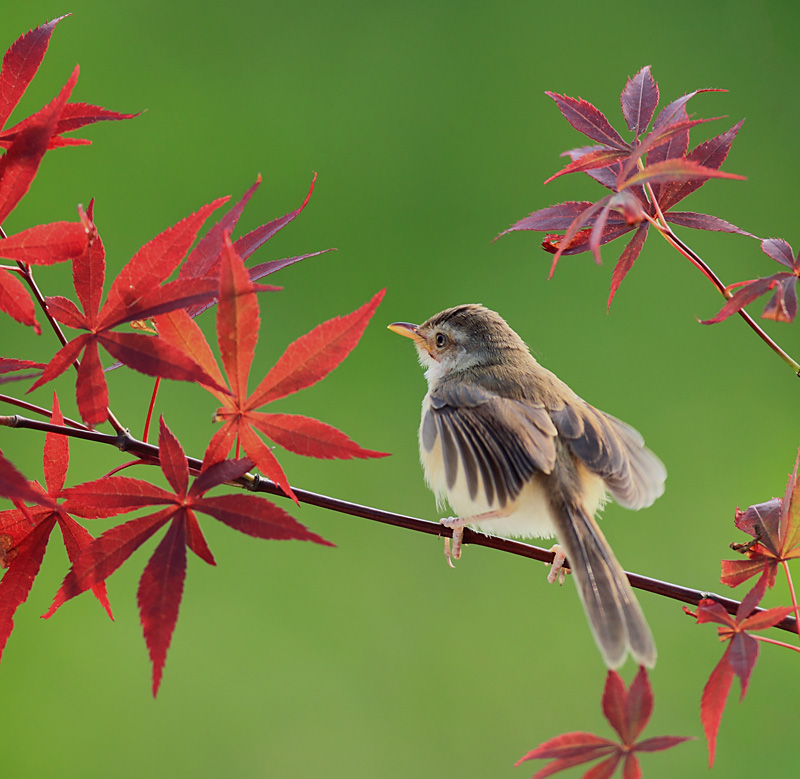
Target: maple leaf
x=305 y=362
x=20 y=163
x=20 y=64
x=46 y=244
x=639 y=99
x=15 y=487
x=775 y=528
x=782 y=306
x=134 y=294
x=11 y=365
x=24 y=534
x=41 y=245
x=659 y=161
x=204 y=260
x=739 y=657
x=161 y=584
x=16 y=302
x=628 y=712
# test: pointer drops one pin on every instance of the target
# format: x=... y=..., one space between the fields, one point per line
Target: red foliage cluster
x=647 y=176
x=213 y=273
x=775 y=529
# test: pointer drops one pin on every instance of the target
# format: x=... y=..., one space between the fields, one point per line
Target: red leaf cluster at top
x=26 y=143
x=647 y=176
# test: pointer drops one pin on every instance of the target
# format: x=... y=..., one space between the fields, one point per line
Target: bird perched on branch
x=517 y=453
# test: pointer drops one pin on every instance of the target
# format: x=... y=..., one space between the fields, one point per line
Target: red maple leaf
x=161 y=585
x=628 y=712
x=304 y=363
x=15 y=487
x=204 y=260
x=740 y=655
x=134 y=294
x=775 y=528
x=20 y=64
x=24 y=534
x=782 y=306
x=659 y=160
x=20 y=163
x=12 y=365
x=41 y=245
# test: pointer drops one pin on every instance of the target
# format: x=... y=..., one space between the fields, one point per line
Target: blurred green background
x=429 y=129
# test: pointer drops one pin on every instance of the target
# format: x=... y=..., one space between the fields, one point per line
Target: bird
x=515 y=452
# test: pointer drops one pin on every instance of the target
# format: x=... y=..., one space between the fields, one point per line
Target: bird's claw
x=452 y=550
x=558 y=572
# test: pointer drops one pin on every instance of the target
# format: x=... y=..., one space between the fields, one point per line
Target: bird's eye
x=441 y=340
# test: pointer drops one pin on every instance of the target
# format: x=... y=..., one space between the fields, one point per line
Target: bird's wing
x=611 y=449
x=500 y=442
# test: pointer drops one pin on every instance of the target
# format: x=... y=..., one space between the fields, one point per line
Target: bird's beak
x=408 y=330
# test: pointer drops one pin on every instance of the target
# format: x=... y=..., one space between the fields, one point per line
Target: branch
x=125 y=442
x=668 y=233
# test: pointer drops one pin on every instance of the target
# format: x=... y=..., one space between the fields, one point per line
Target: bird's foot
x=457 y=525
x=558 y=572
x=452 y=550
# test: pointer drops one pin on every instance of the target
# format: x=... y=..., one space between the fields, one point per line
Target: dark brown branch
x=45 y=412
x=125 y=442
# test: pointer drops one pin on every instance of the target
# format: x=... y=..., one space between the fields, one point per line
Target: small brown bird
x=517 y=453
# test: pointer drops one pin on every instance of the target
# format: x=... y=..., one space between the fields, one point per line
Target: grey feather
x=615 y=616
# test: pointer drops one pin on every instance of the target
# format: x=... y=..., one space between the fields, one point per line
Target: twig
x=668 y=234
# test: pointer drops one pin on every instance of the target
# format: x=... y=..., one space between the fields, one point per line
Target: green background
x=429 y=129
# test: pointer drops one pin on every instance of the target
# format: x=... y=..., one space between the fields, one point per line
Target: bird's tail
x=615 y=616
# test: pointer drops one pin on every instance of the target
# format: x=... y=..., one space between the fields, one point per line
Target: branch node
x=124 y=440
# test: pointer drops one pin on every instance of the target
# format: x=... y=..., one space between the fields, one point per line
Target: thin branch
x=668 y=234
x=254 y=483
x=27 y=274
x=45 y=412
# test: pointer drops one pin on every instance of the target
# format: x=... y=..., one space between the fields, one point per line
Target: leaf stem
x=773 y=641
x=150 y=408
x=792 y=595
x=255 y=483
